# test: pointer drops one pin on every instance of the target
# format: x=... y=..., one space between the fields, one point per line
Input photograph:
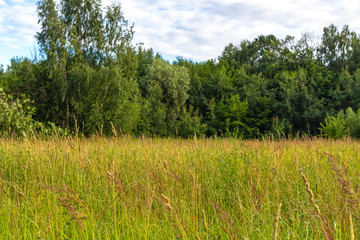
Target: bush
x=353 y=122
x=50 y=129
x=16 y=119
x=15 y=115
x=190 y=124
x=342 y=124
x=335 y=126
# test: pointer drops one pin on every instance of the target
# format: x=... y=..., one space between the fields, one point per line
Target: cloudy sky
x=195 y=29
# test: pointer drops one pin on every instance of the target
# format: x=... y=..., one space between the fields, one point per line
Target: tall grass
x=127 y=188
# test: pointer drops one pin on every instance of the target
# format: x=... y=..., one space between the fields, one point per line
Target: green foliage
x=232 y=111
x=210 y=119
x=91 y=66
x=104 y=98
x=298 y=101
x=335 y=126
x=342 y=124
x=189 y=123
x=144 y=57
x=336 y=47
x=153 y=117
x=353 y=122
x=28 y=77
x=346 y=91
x=280 y=128
x=254 y=88
x=16 y=116
x=165 y=89
x=90 y=76
x=50 y=130
x=16 y=119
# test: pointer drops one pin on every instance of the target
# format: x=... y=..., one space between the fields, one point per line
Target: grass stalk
x=276 y=221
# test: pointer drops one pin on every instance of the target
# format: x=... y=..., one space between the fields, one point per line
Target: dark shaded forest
x=90 y=78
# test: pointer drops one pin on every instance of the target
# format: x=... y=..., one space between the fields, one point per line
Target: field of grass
x=127 y=188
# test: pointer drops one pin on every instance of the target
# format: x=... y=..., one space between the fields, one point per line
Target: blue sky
x=195 y=29
x=18 y=25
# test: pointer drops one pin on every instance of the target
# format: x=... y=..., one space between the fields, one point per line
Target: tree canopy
x=91 y=78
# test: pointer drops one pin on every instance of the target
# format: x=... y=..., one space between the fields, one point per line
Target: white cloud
x=201 y=29
x=18 y=23
x=197 y=29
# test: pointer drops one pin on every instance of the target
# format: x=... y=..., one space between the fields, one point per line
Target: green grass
x=127 y=188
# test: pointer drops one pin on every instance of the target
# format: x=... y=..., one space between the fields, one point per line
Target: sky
x=193 y=29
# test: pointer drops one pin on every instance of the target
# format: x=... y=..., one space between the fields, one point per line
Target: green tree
x=336 y=47
x=230 y=114
x=346 y=91
x=144 y=57
x=353 y=122
x=298 y=102
x=84 y=31
x=106 y=99
x=2 y=75
x=29 y=77
x=53 y=46
x=255 y=89
x=166 y=93
x=189 y=123
x=203 y=84
x=91 y=64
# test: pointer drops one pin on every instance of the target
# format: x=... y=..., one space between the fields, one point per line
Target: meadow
x=131 y=188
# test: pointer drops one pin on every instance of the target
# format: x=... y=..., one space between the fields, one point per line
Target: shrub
x=189 y=123
x=353 y=122
x=15 y=115
x=335 y=126
x=16 y=119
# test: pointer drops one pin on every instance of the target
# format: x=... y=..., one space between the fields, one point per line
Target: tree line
x=89 y=77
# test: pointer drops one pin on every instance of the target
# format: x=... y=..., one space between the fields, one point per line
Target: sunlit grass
x=127 y=188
